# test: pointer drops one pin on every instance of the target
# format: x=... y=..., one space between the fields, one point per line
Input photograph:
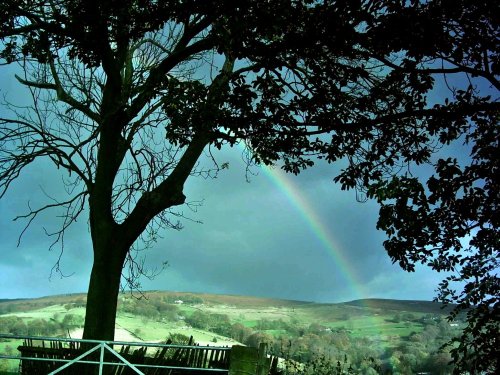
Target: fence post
x=243 y=361
x=249 y=361
x=263 y=363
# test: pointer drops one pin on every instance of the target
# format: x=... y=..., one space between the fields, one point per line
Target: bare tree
x=108 y=134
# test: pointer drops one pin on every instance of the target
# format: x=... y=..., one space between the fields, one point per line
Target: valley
x=385 y=336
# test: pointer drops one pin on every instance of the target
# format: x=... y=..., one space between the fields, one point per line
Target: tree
x=257 y=338
x=450 y=221
x=199 y=319
x=128 y=95
x=19 y=328
x=71 y=321
x=239 y=332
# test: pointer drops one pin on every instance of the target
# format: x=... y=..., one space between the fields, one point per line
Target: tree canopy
x=127 y=95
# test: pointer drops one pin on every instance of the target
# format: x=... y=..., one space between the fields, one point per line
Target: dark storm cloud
x=252 y=241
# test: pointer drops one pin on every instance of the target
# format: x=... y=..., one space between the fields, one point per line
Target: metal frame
x=105 y=345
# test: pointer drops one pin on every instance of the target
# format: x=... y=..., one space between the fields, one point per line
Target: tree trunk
x=104 y=285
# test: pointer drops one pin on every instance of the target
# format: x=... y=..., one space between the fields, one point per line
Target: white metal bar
x=123 y=359
x=75 y=360
x=117 y=364
x=101 y=360
x=102 y=344
x=152 y=344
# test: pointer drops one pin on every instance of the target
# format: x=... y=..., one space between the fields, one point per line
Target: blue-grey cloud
x=252 y=241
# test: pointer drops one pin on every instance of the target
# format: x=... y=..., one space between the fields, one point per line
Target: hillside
x=246 y=301
x=370 y=328
x=402 y=305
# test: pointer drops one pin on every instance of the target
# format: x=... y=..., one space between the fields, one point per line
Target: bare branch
x=69 y=217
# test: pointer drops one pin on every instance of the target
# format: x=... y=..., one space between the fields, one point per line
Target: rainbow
x=293 y=194
x=285 y=184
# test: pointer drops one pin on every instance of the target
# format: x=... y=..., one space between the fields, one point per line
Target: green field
x=384 y=325
x=369 y=318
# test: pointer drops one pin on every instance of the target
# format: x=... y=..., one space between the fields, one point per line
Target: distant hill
x=239 y=301
x=402 y=305
x=248 y=302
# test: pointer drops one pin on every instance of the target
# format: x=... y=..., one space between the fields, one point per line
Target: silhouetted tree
x=450 y=222
x=127 y=96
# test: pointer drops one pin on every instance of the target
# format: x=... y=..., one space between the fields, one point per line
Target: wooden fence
x=181 y=360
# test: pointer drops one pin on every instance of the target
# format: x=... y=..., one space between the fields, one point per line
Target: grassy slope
x=365 y=318
x=373 y=318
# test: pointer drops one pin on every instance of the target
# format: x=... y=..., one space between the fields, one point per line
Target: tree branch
x=328 y=126
x=167 y=194
x=459 y=68
x=158 y=74
x=62 y=95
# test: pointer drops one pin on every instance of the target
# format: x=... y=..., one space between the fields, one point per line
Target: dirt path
x=121 y=334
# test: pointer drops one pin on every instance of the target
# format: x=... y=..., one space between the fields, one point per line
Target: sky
x=268 y=235
x=282 y=236
x=254 y=239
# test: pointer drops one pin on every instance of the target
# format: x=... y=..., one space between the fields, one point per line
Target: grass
x=249 y=323
x=373 y=319
x=276 y=332
x=10 y=365
x=43 y=313
x=376 y=328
